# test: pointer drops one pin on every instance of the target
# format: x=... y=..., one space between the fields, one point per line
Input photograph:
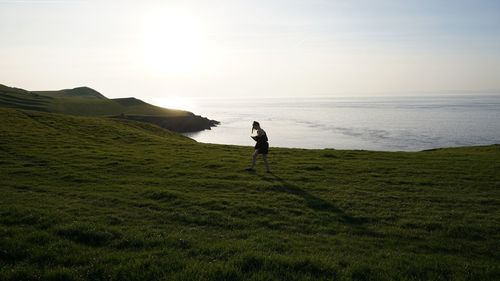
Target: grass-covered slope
x=22 y=99
x=81 y=92
x=101 y=199
x=81 y=101
x=85 y=101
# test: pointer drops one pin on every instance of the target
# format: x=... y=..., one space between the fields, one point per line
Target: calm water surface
x=408 y=124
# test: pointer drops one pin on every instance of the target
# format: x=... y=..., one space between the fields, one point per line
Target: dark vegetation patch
x=313 y=168
x=87 y=233
x=162 y=195
x=182 y=124
x=329 y=155
x=22 y=216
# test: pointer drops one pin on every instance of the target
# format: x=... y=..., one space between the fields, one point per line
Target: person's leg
x=254 y=158
x=264 y=156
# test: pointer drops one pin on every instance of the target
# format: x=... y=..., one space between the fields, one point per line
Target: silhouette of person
x=261 y=146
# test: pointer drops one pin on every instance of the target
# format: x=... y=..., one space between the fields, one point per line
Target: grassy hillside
x=82 y=92
x=87 y=198
x=19 y=98
x=85 y=101
x=81 y=101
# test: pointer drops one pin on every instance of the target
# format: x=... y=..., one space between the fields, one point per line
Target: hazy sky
x=152 y=49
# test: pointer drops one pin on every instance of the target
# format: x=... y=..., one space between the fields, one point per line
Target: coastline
x=179 y=124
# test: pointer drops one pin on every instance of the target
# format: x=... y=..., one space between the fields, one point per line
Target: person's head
x=255 y=126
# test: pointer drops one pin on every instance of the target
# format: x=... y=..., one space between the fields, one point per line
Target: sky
x=167 y=50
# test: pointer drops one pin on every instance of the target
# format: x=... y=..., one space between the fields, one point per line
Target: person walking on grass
x=261 y=147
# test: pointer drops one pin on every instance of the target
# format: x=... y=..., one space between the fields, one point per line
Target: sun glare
x=173 y=42
x=174 y=102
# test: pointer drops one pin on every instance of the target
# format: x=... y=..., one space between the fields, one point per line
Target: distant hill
x=84 y=92
x=85 y=101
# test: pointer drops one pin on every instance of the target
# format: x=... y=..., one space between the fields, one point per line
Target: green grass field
x=89 y=198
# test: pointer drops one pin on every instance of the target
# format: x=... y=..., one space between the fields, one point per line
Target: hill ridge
x=84 y=91
x=86 y=101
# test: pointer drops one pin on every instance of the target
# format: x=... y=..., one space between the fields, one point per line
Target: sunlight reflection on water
x=408 y=124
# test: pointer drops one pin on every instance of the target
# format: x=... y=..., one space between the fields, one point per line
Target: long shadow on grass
x=313 y=202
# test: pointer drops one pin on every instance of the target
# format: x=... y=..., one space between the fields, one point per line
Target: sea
x=365 y=123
